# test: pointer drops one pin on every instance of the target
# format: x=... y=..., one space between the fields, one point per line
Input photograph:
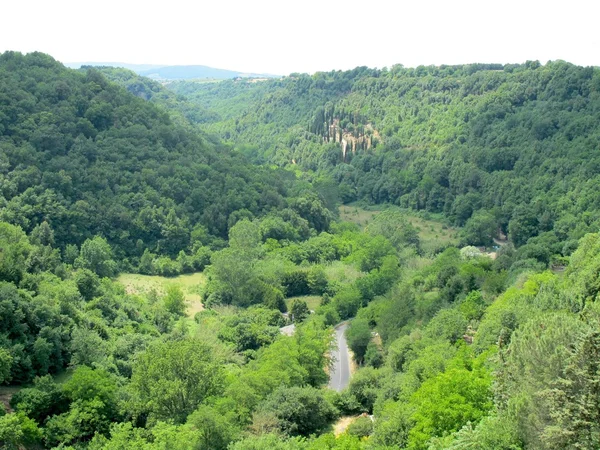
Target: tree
x=447 y=402
x=364 y=387
x=472 y=306
x=575 y=421
x=87 y=347
x=448 y=324
x=93 y=396
x=358 y=335
x=171 y=379
x=480 y=229
x=175 y=235
x=523 y=225
x=539 y=372
x=371 y=255
x=298 y=410
x=41 y=401
x=394 y=226
x=146 y=265
x=317 y=280
x=361 y=427
x=5 y=364
x=310 y=207
x=88 y=283
x=215 y=429
x=273 y=441
x=175 y=301
x=42 y=234
x=96 y=255
x=373 y=355
x=18 y=431
x=15 y=250
x=299 y=311
x=245 y=236
x=233 y=276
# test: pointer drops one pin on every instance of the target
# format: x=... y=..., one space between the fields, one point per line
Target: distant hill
x=190 y=72
x=159 y=72
x=135 y=67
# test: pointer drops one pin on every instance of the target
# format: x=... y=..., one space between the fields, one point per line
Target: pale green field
x=433 y=233
x=190 y=284
x=342 y=273
x=313 y=301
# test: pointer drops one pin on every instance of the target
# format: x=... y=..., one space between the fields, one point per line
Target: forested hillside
x=103 y=172
x=495 y=148
x=88 y=158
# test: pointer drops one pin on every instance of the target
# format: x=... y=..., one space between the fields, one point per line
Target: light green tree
x=358 y=335
x=175 y=301
x=96 y=255
x=5 y=364
x=171 y=379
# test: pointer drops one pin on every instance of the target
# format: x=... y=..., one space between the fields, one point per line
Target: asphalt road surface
x=339 y=376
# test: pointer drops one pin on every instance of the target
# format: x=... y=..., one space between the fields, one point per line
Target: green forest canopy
x=509 y=148
x=456 y=350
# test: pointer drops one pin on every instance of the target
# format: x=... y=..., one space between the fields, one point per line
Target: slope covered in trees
x=510 y=148
x=91 y=159
x=455 y=349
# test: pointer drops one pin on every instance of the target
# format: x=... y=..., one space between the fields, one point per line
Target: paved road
x=339 y=376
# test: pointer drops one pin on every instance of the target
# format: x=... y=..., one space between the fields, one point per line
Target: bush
x=317 y=280
x=299 y=410
x=42 y=400
x=299 y=311
x=166 y=267
x=361 y=427
x=296 y=283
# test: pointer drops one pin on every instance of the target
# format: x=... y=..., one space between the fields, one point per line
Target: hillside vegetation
x=147 y=267
x=509 y=149
x=91 y=159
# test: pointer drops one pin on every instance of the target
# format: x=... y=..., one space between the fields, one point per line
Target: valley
x=199 y=265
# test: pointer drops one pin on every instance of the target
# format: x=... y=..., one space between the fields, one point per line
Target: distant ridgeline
x=82 y=154
x=170 y=73
x=509 y=148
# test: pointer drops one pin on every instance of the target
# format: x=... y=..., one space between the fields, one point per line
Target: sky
x=281 y=37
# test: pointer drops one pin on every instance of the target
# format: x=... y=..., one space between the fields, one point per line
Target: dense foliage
x=454 y=348
x=508 y=149
x=90 y=159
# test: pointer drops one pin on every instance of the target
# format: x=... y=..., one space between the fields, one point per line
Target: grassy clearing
x=357 y=215
x=190 y=284
x=7 y=392
x=342 y=424
x=342 y=273
x=432 y=232
x=313 y=301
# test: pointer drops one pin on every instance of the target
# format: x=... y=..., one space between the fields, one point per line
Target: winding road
x=339 y=376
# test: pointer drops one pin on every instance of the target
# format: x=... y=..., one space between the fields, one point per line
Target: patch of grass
x=6 y=393
x=342 y=273
x=190 y=284
x=432 y=231
x=313 y=301
x=357 y=215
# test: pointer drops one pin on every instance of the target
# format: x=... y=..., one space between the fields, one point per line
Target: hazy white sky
x=305 y=35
